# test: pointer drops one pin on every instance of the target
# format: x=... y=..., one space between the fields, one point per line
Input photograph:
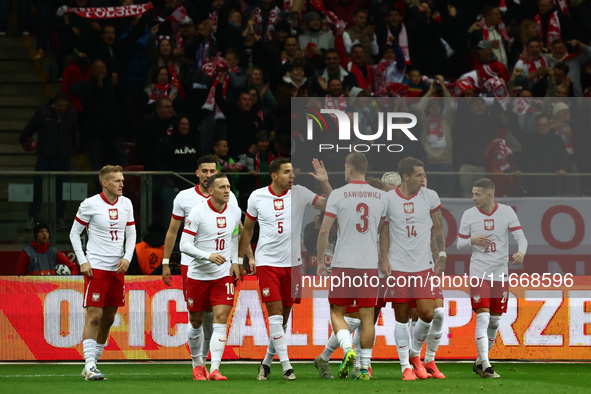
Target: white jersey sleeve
x=358 y=208
x=273 y=214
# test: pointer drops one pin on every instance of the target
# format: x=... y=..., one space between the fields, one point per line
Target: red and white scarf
x=435 y=134
x=258 y=19
x=553 y=28
x=106 y=12
x=178 y=14
x=534 y=64
x=563 y=6
x=213 y=17
x=402 y=41
x=339 y=103
x=500 y=27
x=159 y=91
x=496 y=88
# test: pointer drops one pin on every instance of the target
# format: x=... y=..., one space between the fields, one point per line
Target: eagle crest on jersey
x=96 y=297
x=409 y=207
x=266 y=292
x=221 y=222
x=190 y=301
x=476 y=298
x=113 y=214
x=278 y=204
x=489 y=224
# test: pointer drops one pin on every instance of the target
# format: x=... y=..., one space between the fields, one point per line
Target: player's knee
x=221 y=318
x=195 y=320
x=426 y=315
x=93 y=319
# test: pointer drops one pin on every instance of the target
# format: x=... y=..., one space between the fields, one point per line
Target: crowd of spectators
x=193 y=77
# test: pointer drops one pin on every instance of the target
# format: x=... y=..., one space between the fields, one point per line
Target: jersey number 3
x=363 y=209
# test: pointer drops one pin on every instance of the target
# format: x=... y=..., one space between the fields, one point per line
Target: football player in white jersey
x=110 y=225
x=209 y=240
x=405 y=251
x=360 y=210
x=183 y=203
x=279 y=278
x=485 y=229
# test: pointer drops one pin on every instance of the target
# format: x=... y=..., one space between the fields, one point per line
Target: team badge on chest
x=221 y=222
x=113 y=214
x=278 y=205
x=409 y=207
x=489 y=224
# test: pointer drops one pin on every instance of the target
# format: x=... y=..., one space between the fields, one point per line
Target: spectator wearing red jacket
x=40 y=258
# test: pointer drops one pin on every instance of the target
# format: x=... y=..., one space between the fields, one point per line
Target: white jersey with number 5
x=359 y=208
x=273 y=213
x=410 y=229
x=106 y=225
x=494 y=258
x=212 y=232
x=186 y=200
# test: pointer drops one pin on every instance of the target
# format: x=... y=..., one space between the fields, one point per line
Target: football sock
x=345 y=341
x=331 y=346
x=412 y=326
x=493 y=327
x=481 y=337
x=419 y=337
x=435 y=333
x=278 y=338
x=195 y=344
x=207 y=332
x=270 y=353
x=218 y=344
x=365 y=358
x=357 y=345
x=402 y=338
x=89 y=347
x=99 y=350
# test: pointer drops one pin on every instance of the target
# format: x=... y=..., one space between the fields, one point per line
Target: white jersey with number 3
x=410 y=229
x=494 y=258
x=213 y=234
x=359 y=208
x=186 y=200
x=106 y=224
x=273 y=213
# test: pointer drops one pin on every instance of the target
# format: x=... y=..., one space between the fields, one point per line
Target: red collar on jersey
x=493 y=211
x=273 y=193
x=359 y=182
x=199 y=192
x=213 y=208
x=107 y=201
x=402 y=196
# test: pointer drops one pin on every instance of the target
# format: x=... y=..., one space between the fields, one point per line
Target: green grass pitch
x=170 y=378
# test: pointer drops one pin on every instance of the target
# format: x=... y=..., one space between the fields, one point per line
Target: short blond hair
x=108 y=170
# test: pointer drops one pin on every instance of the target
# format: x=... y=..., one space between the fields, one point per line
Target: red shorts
x=203 y=294
x=355 y=287
x=352 y=308
x=105 y=288
x=438 y=296
x=184 y=270
x=411 y=286
x=280 y=284
x=493 y=297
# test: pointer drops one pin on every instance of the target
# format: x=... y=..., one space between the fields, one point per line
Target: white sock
x=419 y=337
x=89 y=346
x=195 y=344
x=353 y=323
x=412 y=326
x=481 y=337
x=99 y=350
x=331 y=346
x=270 y=353
x=218 y=344
x=493 y=327
x=357 y=346
x=435 y=333
x=207 y=333
x=402 y=338
x=278 y=337
x=345 y=341
x=365 y=358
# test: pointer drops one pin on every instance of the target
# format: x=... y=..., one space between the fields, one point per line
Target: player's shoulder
x=125 y=201
x=429 y=193
x=472 y=212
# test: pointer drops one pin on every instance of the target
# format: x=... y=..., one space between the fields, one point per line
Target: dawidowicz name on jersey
x=344 y=130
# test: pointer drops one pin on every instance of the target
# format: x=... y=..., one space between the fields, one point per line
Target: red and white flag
x=178 y=15
x=106 y=12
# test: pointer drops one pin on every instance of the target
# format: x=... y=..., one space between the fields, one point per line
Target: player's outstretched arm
x=244 y=243
x=321 y=177
x=173 y=229
x=437 y=218
x=322 y=243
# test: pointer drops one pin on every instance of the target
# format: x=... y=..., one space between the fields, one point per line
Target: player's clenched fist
x=480 y=240
x=166 y=275
x=86 y=270
x=217 y=258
